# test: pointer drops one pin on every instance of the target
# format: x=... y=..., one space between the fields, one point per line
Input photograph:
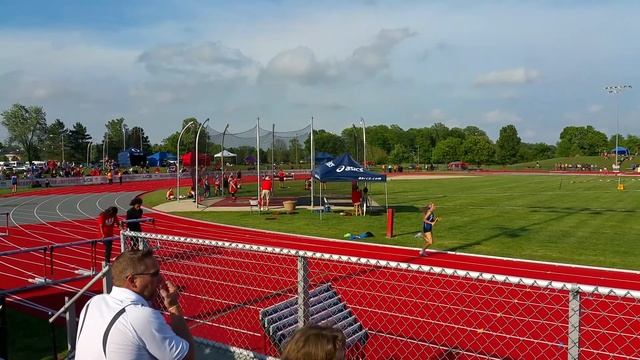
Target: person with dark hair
x=134 y=213
x=107 y=220
x=315 y=342
x=428 y=221
x=122 y=325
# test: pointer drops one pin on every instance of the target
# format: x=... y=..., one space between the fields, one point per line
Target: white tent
x=226 y=154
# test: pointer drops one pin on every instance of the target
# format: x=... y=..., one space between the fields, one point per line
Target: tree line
x=28 y=128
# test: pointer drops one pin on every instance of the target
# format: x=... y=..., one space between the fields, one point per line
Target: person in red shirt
x=356 y=200
x=107 y=220
x=233 y=187
x=265 y=194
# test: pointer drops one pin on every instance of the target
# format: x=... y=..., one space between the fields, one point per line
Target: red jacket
x=267 y=184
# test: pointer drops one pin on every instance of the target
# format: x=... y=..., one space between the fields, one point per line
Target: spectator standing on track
x=265 y=194
x=107 y=220
x=216 y=186
x=428 y=221
x=122 y=325
x=135 y=213
x=315 y=342
x=110 y=177
x=120 y=176
x=14 y=183
x=281 y=176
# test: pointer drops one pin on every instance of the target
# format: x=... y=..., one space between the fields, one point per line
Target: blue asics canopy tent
x=344 y=168
x=620 y=151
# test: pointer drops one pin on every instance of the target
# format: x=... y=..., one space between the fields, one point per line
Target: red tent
x=189 y=159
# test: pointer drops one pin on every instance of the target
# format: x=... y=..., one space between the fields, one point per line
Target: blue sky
x=538 y=65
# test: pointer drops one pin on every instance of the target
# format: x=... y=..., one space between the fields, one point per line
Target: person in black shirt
x=134 y=213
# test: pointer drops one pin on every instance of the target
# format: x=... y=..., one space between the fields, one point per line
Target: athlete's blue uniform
x=426 y=227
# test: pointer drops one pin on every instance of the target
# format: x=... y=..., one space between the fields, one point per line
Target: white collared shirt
x=140 y=333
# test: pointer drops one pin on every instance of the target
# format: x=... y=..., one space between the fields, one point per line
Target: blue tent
x=131 y=157
x=160 y=158
x=322 y=157
x=344 y=168
x=620 y=151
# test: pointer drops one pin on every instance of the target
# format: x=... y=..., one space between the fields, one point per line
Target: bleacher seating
x=325 y=308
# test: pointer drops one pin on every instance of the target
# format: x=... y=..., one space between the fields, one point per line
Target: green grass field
x=570 y=219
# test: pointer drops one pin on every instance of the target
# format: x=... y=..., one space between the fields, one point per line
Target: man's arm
x=178 y=323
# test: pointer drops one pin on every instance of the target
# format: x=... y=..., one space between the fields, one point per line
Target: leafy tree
x=439 y=132
x=26 y=126
x=581 y=140
x=379 y=136
x=375 y=155
x=473 y=130
x=296 y=150
x=77 y=143
x=477 y=149
x=352 y=138
x=326 y=141
x=534 y=152
x=508 y=145
x=400 y=154
x=136 y=138
x=457 y=133
x=53 y=141
x=447 y=150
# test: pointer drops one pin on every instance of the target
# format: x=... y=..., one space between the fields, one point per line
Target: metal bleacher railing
x=231 y=293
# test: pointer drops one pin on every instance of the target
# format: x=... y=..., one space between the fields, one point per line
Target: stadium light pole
x=178 y=161
x=124 y=138
x=364 y=142
x=88 y=152
x=617 y=90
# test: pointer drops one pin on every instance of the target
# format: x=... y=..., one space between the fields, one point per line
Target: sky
x=539 y=65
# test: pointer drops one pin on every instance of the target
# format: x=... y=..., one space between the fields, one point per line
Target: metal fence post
x=303 y=291
x=107 y=281
x=4 y=328
x=573 y=337
x=72 y=326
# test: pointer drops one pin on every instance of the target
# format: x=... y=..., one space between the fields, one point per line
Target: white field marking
x=429 y=177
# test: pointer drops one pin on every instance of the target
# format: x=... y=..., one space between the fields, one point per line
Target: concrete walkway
x=209 y=205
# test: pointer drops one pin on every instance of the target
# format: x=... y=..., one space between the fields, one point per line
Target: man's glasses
x=154 y=274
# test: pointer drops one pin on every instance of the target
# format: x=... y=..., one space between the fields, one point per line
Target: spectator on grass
x=170 y=195
x=107 y=220
x=315 y=342
x=122 y=325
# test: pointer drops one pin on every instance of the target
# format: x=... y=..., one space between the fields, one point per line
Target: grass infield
x=574 y=219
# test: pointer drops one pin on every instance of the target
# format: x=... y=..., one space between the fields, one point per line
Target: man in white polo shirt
x=121 y=325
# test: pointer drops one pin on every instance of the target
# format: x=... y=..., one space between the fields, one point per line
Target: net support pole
x=313 y=162
x=303 y=291
x=259 y=181
x=573 y=337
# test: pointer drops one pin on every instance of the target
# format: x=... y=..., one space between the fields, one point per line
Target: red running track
x=388 y=329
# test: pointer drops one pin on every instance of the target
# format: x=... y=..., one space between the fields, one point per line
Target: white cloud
x=506 y=77
x=209 y=60
x=500 y=117
x=300 y=65
x=595 y=108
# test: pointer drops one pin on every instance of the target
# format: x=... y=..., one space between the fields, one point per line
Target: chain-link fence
x=408 y=311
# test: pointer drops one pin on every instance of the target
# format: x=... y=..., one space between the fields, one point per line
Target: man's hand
x=170 y=295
